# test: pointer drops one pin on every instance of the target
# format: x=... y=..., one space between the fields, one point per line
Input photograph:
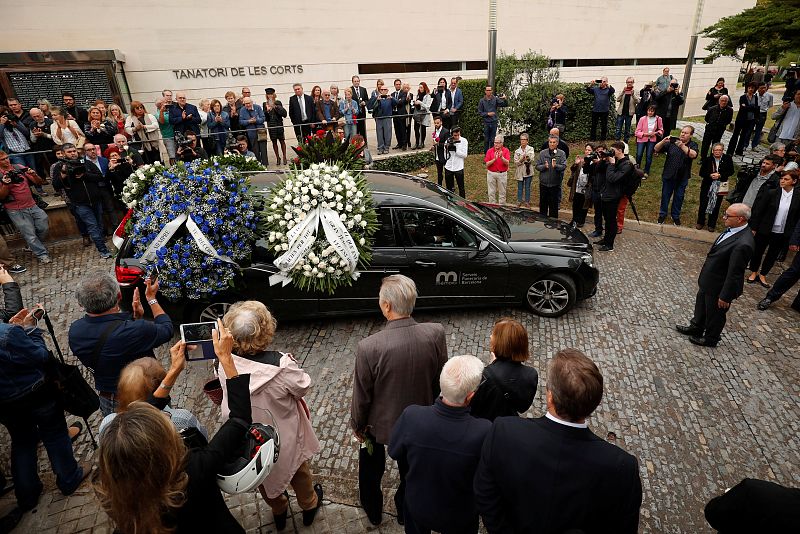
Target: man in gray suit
x=395 y=368
x=721 y=278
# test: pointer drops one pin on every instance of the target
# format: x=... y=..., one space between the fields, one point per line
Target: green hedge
x=579 y=113
x=471 y=123
x=406 y=164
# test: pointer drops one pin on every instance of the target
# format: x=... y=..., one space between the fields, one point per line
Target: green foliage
x=530 y=83
x=237 y=161
x=470 y=122
x=406 y=164
x=579 y=113
x=323 y=148
x=770 y=28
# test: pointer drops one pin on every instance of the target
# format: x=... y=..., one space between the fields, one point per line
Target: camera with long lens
x=14 y=176
x=231 y=144
x=182 y=141
x=591 y=157
x=450 y=143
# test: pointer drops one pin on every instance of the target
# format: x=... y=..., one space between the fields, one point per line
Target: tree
x=529 y=82
x=770 y=28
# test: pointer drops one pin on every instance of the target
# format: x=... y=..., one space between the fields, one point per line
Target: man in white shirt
x=721 y=278
x=765 y=102
x=454 y=167
x=789 y=116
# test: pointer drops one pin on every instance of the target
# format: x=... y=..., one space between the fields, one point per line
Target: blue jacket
x=440 y=443
x=219 y=127
x=103 y=162
x=490 y=106
x=245 y=115
x=602 y=98
x=128 y=341
x=458 y=99
x=23 y=357
x=179 y=124
x=348 y=111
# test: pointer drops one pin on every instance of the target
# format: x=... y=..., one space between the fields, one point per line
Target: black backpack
x=633 y=180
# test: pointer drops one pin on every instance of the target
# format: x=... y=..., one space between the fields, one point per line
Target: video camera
x=73 y=168
x=14 y=176
x=450 y=143
x=231 y=144
x=183 y=141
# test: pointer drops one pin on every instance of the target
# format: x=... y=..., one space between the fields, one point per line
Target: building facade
x=128 y=51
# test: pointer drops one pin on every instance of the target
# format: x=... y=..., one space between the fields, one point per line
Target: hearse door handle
x=421 y=263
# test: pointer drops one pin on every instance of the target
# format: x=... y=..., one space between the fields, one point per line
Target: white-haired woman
x=277 y=384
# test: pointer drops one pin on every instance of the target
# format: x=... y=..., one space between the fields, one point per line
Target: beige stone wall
x=157 y=38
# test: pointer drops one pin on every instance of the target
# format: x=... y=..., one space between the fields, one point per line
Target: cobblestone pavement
x=698 y=419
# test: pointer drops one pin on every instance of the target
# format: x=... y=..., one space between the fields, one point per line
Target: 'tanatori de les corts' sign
x=236 y=72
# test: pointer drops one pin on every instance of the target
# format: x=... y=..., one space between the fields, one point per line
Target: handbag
x=723 y=188
x=72 y=392
x=261 y=134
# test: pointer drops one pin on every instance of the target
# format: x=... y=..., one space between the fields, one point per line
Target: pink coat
x=641 y=130
x=281 y=390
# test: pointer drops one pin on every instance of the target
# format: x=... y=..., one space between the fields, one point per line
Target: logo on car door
x=449 y=278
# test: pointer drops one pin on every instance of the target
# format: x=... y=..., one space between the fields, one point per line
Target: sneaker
x=676 y=222
x=764 y=304
x=16 y=269
x=45 y=259
x=605 y=248
x=661 y=219
x=105 y=255
x=646 y=176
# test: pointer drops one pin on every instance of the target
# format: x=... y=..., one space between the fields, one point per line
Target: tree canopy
x=770 y=28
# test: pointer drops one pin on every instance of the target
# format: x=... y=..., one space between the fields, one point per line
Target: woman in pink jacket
x=649 y=130
x=277 y=384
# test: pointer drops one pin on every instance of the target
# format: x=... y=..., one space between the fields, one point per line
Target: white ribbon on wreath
x=169 y=230
x=303 y=236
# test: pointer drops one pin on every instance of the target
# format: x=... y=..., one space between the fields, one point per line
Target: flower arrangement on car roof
x=319 y=222
x=196 y=222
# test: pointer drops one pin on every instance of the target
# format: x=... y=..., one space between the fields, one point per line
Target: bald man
x=561 y=144
x=184 y=117
x=721 y=279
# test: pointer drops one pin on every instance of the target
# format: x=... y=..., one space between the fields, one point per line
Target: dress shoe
x=702 y=341
x=309 y=515
x=753 y=281
x=712 y=229
x=698 y=226
x=596 y=234
x=764 y=304
x=764 y=284
x=688 y=330
x=605 y=248
x=676 y=222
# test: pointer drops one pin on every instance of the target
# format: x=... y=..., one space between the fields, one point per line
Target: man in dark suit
x=553 y=474
x=360 y=95
x=184 y=117
x=718 y=118
x=441 y=468
x=398 y=111
x=721 y=279
x=395 y=368
x=301 y=112
x=440 y=135
x=755 y=506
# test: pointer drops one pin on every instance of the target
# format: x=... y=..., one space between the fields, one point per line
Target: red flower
x=296 y=160
x=320 y=133
x=299 y=149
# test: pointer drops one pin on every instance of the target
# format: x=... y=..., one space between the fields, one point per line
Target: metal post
x=687 y=72
x=492 y=42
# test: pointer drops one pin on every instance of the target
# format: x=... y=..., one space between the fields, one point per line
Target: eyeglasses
x=728 y=216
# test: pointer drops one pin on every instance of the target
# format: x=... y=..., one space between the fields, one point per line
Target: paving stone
x=698 y=419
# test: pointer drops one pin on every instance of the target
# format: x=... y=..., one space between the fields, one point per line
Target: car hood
x=528 y=225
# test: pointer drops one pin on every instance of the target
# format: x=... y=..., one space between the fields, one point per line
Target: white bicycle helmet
x=251 y=467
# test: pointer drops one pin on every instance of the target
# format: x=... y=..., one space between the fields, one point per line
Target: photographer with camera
x=603 y=98
x=647 y=97
x=81 y=188
x=28 y=409
x=456 y=149
x=551 y=164
x=557 y=116
x=127 y=152
x=523 y=162
x=187 y=147
x=677 y=170
x=15 y=194
x=487 y=109
x=618 y=169
x=106 y=339
x=119 y=169
x=240 y=147
x=669 y=102
x=594 y=165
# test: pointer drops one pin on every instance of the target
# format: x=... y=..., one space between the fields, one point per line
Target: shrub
x=470 y=122
x=406 y=164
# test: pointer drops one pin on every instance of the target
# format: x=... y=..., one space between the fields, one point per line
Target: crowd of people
x=453 y=419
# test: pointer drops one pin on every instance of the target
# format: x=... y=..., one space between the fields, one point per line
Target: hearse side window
x=421 y=228
x=385 y=237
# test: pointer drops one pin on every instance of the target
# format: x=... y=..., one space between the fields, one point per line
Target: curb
x=666 y=229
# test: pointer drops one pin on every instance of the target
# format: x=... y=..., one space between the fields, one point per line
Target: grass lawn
x=647 y=198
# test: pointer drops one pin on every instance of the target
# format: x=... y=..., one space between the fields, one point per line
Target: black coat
x=766 y=207
x=437 y=106
x=723 y=271
x=12 y=300
x=614 y=182
x=295 y=114
x=718 y=118
x=755 y=506
x=725 y=170
x=668 y=104
x=507 y=388
x=441 y=445
x=537 y=475
x=360 y=95
x=205 y=510
x=443 y=135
